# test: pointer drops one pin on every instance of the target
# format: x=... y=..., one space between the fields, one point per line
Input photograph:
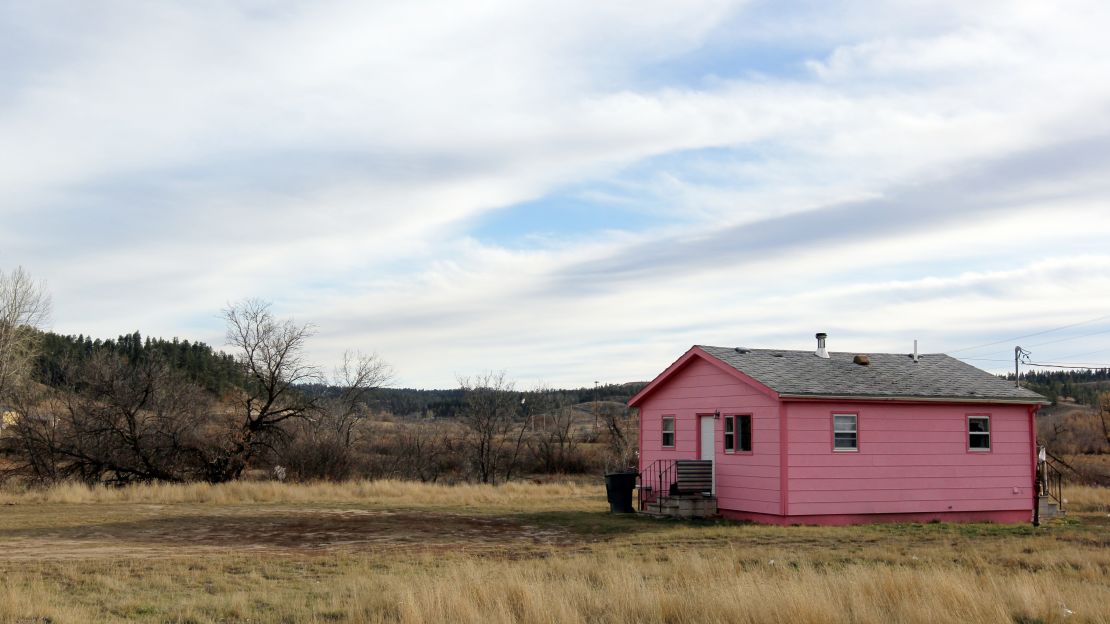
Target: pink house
x=803 y=437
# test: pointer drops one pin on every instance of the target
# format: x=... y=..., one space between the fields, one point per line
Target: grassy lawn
x=388 y=551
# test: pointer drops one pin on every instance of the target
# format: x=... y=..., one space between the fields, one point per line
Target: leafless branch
x=24 y=309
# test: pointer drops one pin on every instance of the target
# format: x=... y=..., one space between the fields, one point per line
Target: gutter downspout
x=784 y=461
x=1033 y=440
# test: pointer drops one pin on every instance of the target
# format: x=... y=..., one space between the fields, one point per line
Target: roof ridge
x=906 y=353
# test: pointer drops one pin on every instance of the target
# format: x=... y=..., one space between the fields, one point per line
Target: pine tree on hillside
x=214 y=370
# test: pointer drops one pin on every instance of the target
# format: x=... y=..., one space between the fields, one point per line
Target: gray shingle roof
x=889 y=375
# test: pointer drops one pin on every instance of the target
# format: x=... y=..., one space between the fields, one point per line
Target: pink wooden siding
x=912 y=461
x=745 y=481
x=912 y=458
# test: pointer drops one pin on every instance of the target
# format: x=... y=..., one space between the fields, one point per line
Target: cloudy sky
x=567 y=191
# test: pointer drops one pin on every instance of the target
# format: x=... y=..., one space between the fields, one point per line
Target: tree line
x=137 y=410
x=133 y=410
x=219 y=372
x=449 y=403
x=213 y=370
x=1081 y=385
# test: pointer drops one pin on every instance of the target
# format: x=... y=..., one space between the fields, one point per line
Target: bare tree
x=555 y=446
x=494 y=433
x=619 y=423
x=322 y=444
x=1102 y=404
x=24 y=308
x=34 y=437
x=424 y=453
x=119 y=419
x=356 y=377
x=271 y=354
x=115 y=421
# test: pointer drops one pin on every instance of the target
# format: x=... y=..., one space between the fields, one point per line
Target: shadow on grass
x=602 y=523
x=961 y=529
x=324 y=529
x=362 y=529
x=311 y=529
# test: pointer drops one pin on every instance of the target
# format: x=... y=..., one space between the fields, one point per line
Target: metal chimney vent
x=821 y=352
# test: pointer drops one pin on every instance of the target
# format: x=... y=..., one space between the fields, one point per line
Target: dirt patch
x=296 y=530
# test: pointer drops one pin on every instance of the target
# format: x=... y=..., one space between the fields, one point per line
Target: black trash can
x=618 y=489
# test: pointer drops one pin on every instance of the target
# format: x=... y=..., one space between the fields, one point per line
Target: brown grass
x=384 y=492
x=700 y=587
x=409 y=556
x=1087 y=498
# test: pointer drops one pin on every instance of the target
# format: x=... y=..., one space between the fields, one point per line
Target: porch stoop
x=681 y=506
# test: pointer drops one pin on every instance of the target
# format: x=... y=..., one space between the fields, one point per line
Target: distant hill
x=447 y=403
x=217 y=372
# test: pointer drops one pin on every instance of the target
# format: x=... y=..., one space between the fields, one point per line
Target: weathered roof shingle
x=889 y=375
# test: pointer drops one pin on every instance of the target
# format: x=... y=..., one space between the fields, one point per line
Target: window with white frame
x=845 y=434
x=730 y=434
x=668 y=432
x=979 y=433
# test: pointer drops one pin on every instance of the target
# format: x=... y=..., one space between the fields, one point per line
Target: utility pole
x=595 y=405
x=1020 y=355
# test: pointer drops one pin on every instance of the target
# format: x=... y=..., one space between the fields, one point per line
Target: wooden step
x=687 y=506
x=1049 y=508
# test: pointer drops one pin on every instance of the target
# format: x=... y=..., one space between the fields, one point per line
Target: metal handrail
x=656 y=480
x=1050 y=478
x=1060 y=463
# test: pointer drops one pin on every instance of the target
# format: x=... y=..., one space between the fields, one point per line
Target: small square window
x=730 y=434
x=668 y=432
x=979 y=433
x=845 y=434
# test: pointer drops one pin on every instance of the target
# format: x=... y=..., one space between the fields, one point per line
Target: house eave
x=693 y=352
x=910 y=399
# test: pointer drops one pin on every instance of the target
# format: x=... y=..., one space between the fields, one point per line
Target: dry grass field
x=391 y=551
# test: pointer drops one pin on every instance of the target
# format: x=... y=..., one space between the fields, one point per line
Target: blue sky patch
x=562 y=216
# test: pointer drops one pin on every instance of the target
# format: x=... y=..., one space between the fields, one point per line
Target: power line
x=1047 y=331
x=1103 y=331
x=1071 y=365
x=1068 y=357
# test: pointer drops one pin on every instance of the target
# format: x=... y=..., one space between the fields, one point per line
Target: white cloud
x=161 y=160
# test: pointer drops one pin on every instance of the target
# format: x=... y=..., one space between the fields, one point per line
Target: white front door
x=706 y=451
x=707 y=443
